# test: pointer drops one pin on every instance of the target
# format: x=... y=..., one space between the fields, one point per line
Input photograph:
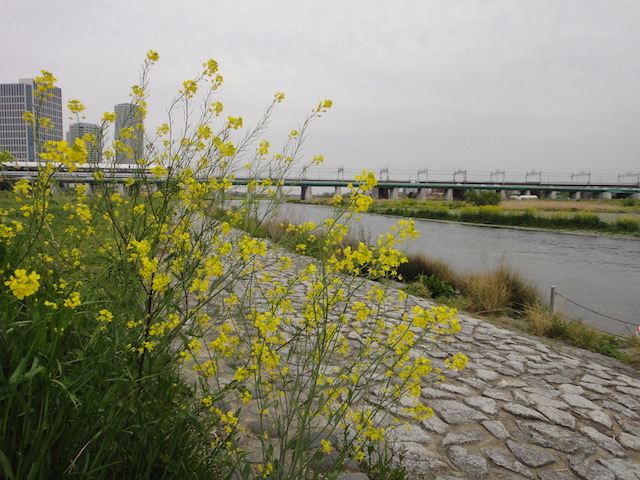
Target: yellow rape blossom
x=23 y=285
x=72 y=301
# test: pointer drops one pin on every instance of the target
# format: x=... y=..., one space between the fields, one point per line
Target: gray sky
x=515 y=85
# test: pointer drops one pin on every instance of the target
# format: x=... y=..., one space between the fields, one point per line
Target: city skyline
x=16 y=135
x=24 y=142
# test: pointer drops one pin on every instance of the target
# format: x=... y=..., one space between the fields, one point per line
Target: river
x=597 y=272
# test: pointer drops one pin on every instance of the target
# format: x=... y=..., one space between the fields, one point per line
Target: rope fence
x=554 y=294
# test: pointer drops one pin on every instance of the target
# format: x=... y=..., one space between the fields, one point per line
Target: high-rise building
x=94 y=148
x=129 y=130
x=16 y=136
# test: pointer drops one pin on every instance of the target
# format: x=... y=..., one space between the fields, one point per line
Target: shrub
x=421 y=265
x=587 y=219
x=627 y=224
x=482 y=197
x=437 y=287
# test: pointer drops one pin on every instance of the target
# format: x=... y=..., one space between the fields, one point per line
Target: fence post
x=553 y=298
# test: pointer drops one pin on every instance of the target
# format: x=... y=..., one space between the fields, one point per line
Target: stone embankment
x=524 y=408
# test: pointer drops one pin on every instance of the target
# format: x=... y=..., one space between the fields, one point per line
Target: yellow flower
x=73 y=301
x=457 y=362
x=326 y=446
x=75 y=106
x=153 y=56
x=235 y=123
x=210 y=67
x=216 y=107
x=160 y=282
x=190 y=88
x=108 y=117
x=23 y=285
x=241 y=374
x=263 y=149
x=324 y=105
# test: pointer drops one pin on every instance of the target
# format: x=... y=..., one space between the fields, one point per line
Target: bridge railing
x=479 y=176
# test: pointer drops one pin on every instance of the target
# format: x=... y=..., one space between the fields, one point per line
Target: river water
x=597 y=272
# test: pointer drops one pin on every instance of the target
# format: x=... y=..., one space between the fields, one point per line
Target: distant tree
x=483 y=197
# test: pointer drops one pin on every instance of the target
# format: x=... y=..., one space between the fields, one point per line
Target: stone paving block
x=456 y=413
x=503 y=458
x=588 y=470
x=466 y=462
x=497 y=429
x=559 y=417
x=604 y=441
x=465 y=437
x=531 y=456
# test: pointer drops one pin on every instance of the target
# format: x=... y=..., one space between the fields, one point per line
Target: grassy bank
x=583 y=220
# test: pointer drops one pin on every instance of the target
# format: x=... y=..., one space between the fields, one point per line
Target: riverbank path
x=524 y=408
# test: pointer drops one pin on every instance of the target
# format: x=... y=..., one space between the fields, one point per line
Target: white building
x=129 y=129
x=16 y=136
x=79 y=130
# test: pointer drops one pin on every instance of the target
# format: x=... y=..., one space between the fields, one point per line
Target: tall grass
x=540 y=321
x=500 y=291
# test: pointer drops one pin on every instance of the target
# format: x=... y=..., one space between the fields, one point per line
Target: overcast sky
x=515 y=85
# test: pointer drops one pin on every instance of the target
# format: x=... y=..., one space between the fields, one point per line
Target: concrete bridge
x=389 y=189
x=574 y=186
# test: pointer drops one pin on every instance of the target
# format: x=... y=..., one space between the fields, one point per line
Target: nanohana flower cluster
x=160 y=263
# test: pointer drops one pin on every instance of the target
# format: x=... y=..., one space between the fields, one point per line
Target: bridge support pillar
x=448 y=195
x=605 y=195
x=575 y=195
x=422 y=193
x=551 y=194
x=635 y=196
x=337 y=192
x=306 y=193
x=393 y=194
x=503 y=194
x=150 y=188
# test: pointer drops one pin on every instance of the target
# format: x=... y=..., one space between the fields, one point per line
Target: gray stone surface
x=456 y=413
x=588 y=470
x=466 y=462
x=531 y=456
x=503 y=458
x=622 y=469
x=464 y=438
x=524 y=408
